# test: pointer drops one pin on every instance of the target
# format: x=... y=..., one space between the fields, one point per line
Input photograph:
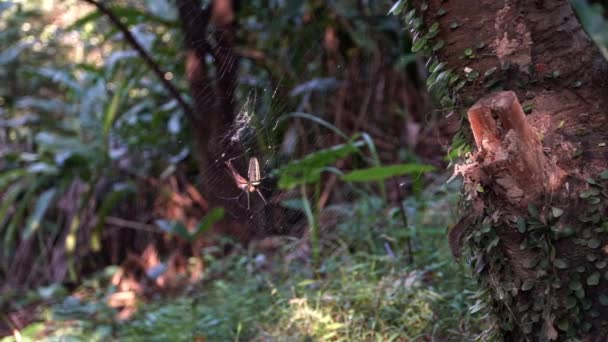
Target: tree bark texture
x=535 y=213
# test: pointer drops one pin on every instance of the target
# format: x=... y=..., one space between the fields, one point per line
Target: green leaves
x=385 y=172
x=35 y=219
x=112 y=109
x=397 y=7
x=308 y=169
x=178 y=229
x=128 y=15
x=594 y=22
x=593 y=279
x=560 y=263
x=521 y=225
x=556 y=212
x=527 y=285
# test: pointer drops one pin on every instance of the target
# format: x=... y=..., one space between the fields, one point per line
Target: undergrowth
x=366 y=290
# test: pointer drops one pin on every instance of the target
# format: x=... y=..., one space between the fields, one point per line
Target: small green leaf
x=397 y=7
x=594 y=243
x=410 y=15
x=441 y=12
x=211 y=218
x=575 y=285
x=419 y=45
x=35 y=220
x=591 y=181
x=563 y=324
x=440 y=43
x=570 y=302
x=533 y=211
x=454 y=25
x=603 y=299
x=604 y=174
x=527 y=285
x=435 y=67
x=521 y=225
x=473 y=74
x=589 y=193
x=557 y=212
x=560 y=263
x=468 y=52
x=593 y=279
x=174 y=227
x=490 y=71
x=460 y=85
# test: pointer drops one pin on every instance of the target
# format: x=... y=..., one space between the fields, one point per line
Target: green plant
x=75 y=128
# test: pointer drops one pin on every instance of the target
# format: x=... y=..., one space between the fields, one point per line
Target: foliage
x=77 y=128
x=593 y=18
x=366 y=289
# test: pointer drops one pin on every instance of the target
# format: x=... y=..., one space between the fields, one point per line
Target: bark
x=535 y=213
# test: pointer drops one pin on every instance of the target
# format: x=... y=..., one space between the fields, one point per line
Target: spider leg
x=261 y=196
x=248 y=200
x=232 y=198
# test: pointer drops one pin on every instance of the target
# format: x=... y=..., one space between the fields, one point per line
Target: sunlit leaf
x=35 y=219
x=211 y=218
x=309 y=168
x=397 y=7
x=385 y=172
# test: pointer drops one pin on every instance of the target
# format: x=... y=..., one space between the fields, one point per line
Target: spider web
x=253 y=131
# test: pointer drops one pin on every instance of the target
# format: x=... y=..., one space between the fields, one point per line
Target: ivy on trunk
x=535 y=217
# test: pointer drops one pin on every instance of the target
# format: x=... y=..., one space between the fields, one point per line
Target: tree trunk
x=214 y=107
x=535 y=215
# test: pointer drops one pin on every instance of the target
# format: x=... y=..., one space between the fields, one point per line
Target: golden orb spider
x=248 y=185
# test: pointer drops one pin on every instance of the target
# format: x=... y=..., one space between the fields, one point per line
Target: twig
x=122 y=223
x=146 y=57
x=410 y=254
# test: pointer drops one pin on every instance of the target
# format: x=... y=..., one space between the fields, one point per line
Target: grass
x=365 y=291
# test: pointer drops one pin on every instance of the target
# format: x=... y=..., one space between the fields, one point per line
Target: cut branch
x=510 y=156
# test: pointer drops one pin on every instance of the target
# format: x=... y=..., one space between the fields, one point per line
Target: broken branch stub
x=510 y=154
x=509 y=160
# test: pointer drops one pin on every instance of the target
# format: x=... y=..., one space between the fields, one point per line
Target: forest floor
x=368 y=288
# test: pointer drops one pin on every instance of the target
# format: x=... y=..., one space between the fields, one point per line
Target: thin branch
x=410 y=252
x=146 y=57
x=122 y=223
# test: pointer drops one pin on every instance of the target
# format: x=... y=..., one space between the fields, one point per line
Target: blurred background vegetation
x=106 y=232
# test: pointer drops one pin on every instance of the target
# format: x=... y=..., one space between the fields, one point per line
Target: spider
x=248 y=185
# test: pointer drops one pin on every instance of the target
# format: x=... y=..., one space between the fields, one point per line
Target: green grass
x=363 y=291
